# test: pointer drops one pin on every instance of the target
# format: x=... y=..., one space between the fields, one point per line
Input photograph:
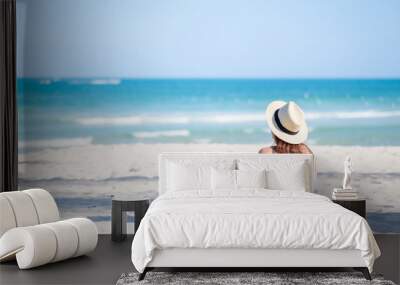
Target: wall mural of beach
x=86 y=140
x=88 y=136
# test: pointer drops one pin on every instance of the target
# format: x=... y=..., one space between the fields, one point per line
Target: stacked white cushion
x=87 y=235
x=233 y=180
x=7 y=220
x=46 y=207
x=282 y=174
x=32 y=246
x=223 y=179
x=286 y=163
x=251 y=179
x=188 y=177
x=34 y=236
x=23 y=208
x=190 y=174
x=292 y=178
x=67 y=237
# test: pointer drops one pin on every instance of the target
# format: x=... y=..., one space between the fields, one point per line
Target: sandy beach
x=84 y=177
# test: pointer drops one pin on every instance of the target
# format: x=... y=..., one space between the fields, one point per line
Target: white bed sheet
x=250 y=219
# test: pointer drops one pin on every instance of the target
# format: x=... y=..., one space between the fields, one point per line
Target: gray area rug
x=273 y=278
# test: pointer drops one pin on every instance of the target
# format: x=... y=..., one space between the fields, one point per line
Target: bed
x=244 y=210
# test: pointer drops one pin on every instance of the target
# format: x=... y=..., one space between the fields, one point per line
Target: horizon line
x=206 y=78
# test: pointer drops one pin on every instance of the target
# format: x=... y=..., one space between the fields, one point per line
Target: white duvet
x=250 y=219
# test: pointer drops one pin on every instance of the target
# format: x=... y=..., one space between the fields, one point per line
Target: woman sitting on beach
x=288 y=127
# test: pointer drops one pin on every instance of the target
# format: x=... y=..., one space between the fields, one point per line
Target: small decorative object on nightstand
x=348 y=170
x=358 y=206
x=136 y=202
x=346 y=192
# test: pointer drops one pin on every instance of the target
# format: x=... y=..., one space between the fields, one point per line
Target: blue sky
x=206 y=38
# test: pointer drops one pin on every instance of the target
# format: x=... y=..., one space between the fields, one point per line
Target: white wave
x=227 y=118
x=202 y=141
x=55 y=143
x=142 y=120
x=248 y=131
x=133 y=120
x=232 y=118
x=111 y=81
x=156 y=134
x=45 y=82
x=368 y=114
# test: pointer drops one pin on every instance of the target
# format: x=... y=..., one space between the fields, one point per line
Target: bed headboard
x=164 y=158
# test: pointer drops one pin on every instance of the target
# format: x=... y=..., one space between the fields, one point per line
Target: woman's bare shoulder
x=305 y=149
x=266 y=150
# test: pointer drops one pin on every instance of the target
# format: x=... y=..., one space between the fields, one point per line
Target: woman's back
x=284 y=147
x=292 y=148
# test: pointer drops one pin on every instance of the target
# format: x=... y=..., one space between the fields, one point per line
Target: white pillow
x=251 y=178
x=188 y=177
x=230 y=180
x=290 y=180
x=223 y=179
x=282 y=174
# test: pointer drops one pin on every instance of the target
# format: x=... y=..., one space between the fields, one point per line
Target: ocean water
x=80 y=111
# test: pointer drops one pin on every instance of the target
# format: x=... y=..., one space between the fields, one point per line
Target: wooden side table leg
x=118 y=222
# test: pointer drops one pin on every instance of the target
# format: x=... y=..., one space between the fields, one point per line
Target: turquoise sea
x=109 y=111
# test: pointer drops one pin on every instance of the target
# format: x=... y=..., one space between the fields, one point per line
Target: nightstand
x=136 y=202
x=357 y=206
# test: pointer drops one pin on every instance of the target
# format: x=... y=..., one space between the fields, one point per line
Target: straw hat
x=286 y=121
